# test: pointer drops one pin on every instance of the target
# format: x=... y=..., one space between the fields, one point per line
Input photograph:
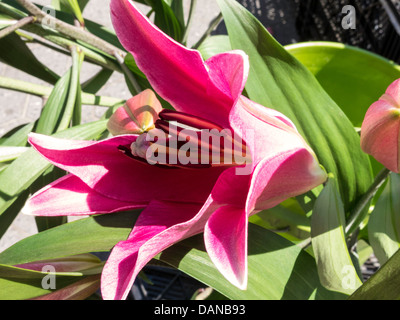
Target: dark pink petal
x=225 y=237
x=179 y=74
x=160 y=225
x=232 y=188
x=69 y=196
x=228 y=72
x=106 y=170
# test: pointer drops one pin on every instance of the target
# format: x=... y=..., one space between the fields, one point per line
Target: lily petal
x=381 y=128
x=180 y=75
x=159 y=226
x=283 y=176
x=380 y=134
x=225 y=238
x=70 y=196
x=106 y=170
x=265 y=131
x=287 y=167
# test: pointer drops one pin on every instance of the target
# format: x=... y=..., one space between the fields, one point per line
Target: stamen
x=186 y=141
x=188 y=119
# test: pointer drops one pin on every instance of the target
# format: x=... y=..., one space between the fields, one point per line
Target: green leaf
x=383 y=225
x=341 y=70
x=18 y=136
x=139 y=75
x=22 y=284
x=214 y=45
x=53 y=109
x=74 y=6
x=6 y=21
x=384 y=284
x=72 y=109
x=94 y=84
x=335 y=267
x=94 y=234
x=278 y=81
x=178 y=10
x=353 y=77
x=278 y=269
x=8 y=216
x=11 y=153
x=166 y=19
x=16 y=53
x=79 y=290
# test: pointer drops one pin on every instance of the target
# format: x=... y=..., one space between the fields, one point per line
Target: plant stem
x=24 y=21
x=69 y=30
x=44 y=91
x=77 y=59
x=65 y=43
x=128 y=73
x=358 y=214
x=210 y=29
x=189 y=21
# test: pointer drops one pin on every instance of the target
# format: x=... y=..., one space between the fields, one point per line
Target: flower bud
x=380 y=129
x=137 y=115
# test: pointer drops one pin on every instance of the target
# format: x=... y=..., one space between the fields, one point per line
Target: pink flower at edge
x=381 y=129
x=179 y=201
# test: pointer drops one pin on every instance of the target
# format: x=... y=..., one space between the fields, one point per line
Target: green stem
x=69 y=30
x=210 y=29
x=128 y=73
x=359 y=212
x=44 y=91
x=189 y=21
x=77 y=59
x=59 y=40
x=24 y=21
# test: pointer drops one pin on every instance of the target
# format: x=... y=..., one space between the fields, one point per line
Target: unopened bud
x=137 y=115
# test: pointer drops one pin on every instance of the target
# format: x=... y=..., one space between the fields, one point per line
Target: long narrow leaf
x=73 y=101
x=16 y=53
x=278 y=269
x=384 y=284
x=335 y=267
x=382 y=225
x=54 y=107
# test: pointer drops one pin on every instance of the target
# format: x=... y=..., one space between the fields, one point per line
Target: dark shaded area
x=278 y=16
x=164 y=284
x=377 y=24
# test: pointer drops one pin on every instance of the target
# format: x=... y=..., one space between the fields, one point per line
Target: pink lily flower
x=381 y=127
x=180 y=200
